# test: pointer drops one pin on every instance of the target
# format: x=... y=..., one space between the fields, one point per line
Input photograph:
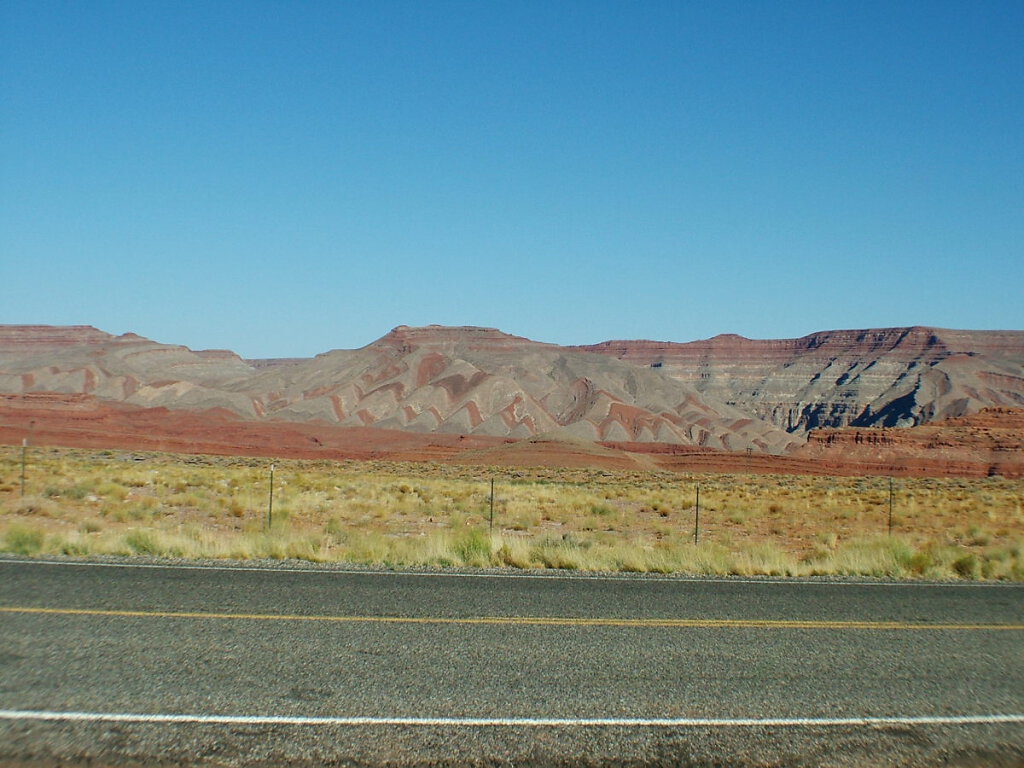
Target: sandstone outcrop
x=990 y=442
x=882 y=377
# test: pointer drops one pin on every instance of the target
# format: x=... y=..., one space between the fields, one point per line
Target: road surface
x=114 y=664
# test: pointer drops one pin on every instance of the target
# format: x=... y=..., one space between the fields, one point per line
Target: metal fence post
x=696 y=518
x=890 y=506
x=270 y=502
x=24 y=449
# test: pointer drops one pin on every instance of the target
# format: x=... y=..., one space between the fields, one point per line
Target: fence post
x=492 y=508
x=696 y=518
x=24 y=449
x=270 y=502
x=890 y=506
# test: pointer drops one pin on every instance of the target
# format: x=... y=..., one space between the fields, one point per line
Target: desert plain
x=88 y=502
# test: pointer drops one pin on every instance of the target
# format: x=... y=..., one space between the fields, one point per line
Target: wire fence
x=408 y=498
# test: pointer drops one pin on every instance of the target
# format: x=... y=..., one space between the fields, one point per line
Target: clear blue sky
x=285 y=178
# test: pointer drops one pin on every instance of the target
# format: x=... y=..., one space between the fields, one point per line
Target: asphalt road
x=124 y=665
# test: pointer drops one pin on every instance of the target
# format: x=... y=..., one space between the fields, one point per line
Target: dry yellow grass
x=80 y=502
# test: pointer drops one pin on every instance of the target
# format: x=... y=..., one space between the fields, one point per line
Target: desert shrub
x=35 y=506
x=632 y=560
x=921 y=562
x=369 y=548
x=1004 y=563
x=978 y=537
x=111 y=490
x=142 y=542
x=968 y=566
x=75 y=492
x=563 y=554
x=763 y=559
x=515 y=554
x=280 y=516
x=707 y=558
x=473 y=548
x=23 y=540
x=90 y=526
x=738 y=516
x=335 y=528
x=74 y=546
x=305 y=548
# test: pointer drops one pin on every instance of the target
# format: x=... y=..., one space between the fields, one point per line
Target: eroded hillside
x=868 y=378
x=727 y=393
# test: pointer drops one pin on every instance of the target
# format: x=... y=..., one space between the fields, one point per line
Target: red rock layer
x=988 y=443
x=23 y=338
x=82 y=421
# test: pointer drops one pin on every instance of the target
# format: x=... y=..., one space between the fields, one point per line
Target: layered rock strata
x=990 y=442
x=474 y=381
x=882 y=377
x=727 y=393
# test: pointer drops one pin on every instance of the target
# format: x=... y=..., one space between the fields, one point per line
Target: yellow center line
x=552 y=621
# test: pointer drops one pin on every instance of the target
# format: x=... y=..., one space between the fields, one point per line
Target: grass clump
x=141 y=542
x=473 y=548
x=23 y=540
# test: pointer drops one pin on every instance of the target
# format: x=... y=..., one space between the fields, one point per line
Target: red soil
x=82 y=421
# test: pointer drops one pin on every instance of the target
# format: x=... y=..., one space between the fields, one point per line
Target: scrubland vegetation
x=79 y=502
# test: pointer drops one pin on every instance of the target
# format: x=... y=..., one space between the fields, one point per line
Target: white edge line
x=510 y=722
x=549 y=576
